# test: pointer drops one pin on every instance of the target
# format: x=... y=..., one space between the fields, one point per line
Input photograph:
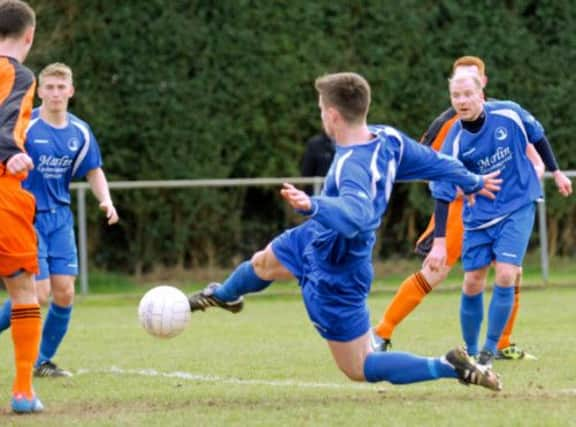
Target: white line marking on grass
x=237 y=381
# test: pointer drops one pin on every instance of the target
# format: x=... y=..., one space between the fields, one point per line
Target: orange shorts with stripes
x=454 y=232
x=18 y=242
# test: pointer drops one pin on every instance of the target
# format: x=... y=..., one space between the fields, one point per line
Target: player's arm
x=15 y=115
x=99 y=186
x=537 y=136
x=421 y=163
x=544 y=150
x=536 y=160
x=348 y=213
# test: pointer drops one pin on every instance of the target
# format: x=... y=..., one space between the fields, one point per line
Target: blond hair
x=56 y=69
x=348 y=93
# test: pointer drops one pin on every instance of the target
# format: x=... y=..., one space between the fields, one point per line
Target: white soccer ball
x=164 y=311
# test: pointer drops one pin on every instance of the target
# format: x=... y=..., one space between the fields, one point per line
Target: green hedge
x=218 y=89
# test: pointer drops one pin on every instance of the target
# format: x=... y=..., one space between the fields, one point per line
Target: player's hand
x=298 y=199
x=108 y=208
x=491 y=186
x=436 y=259
x=563 y=183
x=20 y=162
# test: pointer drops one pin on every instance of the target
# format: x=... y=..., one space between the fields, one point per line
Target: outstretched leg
x=250 y=276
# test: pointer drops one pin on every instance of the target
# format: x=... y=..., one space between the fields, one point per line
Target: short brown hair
x=16 y=16
x=349 y=93
x=470 y=61
x=56 y=69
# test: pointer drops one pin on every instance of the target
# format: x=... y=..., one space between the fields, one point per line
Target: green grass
x=389 y=275
x=267 y=367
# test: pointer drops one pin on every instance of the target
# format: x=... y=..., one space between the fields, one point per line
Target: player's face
x=467 y=98
x=55 y=92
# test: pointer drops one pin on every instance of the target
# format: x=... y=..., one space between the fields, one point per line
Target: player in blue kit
x=489 y=136
x=62 y=148
x=330 y=254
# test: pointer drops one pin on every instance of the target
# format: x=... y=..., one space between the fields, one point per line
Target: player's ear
x=29 y=36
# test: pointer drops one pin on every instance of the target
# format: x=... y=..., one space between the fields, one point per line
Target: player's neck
x=353 y=135
x=12 y=49
x=54 y=118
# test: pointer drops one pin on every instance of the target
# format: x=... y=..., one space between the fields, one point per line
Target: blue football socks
x=55 y=327
x=498 y=314
x=243 y=280
x=5 y=314
x=471 y=316
x=405 y=368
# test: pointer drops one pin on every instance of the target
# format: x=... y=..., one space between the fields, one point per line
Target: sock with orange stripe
x=409 y=295
x=507 y=333
x=26 y=329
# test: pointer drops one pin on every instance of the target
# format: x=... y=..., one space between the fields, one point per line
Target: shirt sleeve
x=89 y=156
x=352 y=209
x=422 y=163
x=15 y=109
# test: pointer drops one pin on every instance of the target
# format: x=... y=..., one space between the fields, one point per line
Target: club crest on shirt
x=501 y=133
x=73 y=144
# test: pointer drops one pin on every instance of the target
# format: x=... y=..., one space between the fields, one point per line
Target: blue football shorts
x=57 y=253
x=335 y=300
x=505 y=241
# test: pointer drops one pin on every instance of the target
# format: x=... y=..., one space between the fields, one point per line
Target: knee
x=265 y=265
x=63 y=297
x=507 y=276
x=435 y=278
x=473 y=284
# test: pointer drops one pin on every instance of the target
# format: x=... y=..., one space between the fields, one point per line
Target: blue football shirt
x=499 y=145
x=59 y=155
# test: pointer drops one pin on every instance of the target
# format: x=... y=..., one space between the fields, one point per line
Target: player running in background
x=488 y=136
x=63 y=147
x=418 y=285
x=331 y=253
x=18 y=245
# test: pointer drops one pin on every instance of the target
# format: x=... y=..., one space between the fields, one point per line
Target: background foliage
x=218 y=89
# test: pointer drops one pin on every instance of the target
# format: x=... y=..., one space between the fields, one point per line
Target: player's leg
x=246 y=278
x=58 y=270
x=415 y=288
x=476 y=260
x=472 y=307
x=408 y=296
x=510 y=244
x=507 y=350
x=26 y=325
x=55 y=325
x=281 y=259
x=356 y=360
x=499 y=310
x=18 y=263
x=41 y=285
x=43 y=291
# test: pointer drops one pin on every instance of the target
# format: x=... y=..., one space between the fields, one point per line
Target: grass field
x=267 y=367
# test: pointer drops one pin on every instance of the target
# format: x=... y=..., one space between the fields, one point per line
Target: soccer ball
x=164 y=311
